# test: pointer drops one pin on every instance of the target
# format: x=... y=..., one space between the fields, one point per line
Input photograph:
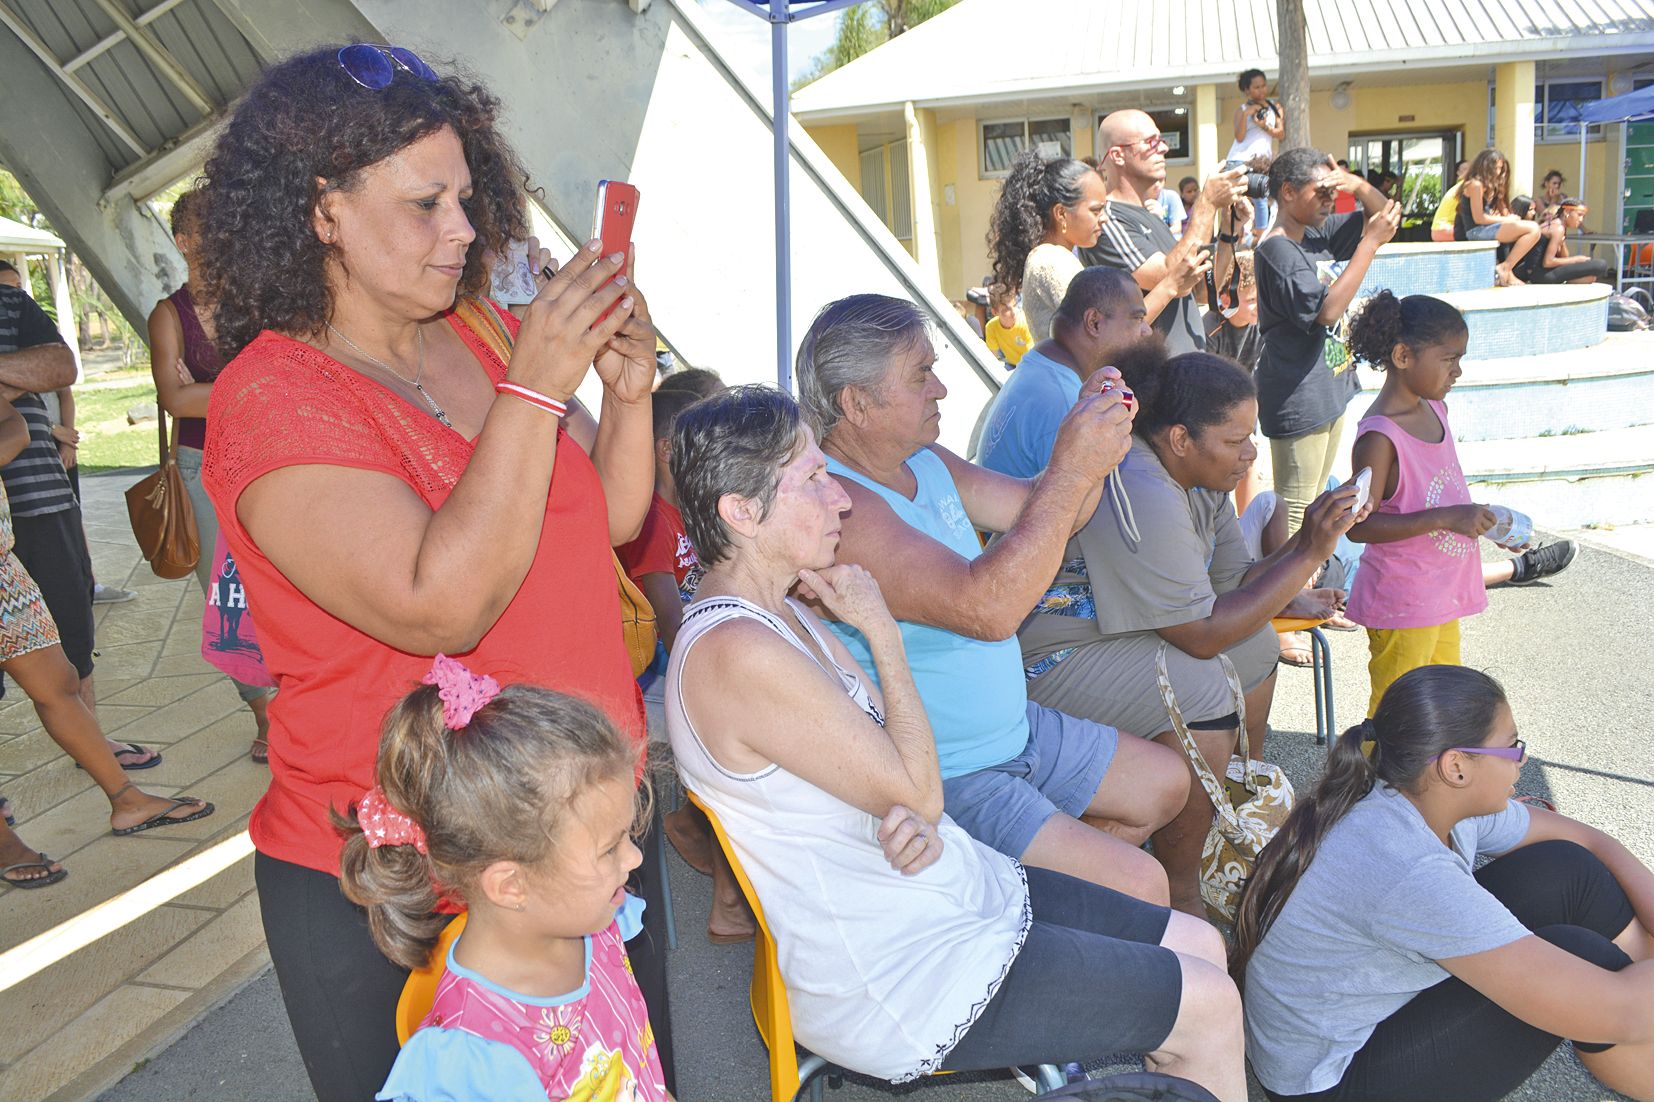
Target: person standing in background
x=1259 y=124
x=184 y=364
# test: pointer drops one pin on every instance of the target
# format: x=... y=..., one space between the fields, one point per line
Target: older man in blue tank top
x=1051 y=790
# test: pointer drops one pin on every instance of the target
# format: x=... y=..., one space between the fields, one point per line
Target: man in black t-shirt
x=1136 y=239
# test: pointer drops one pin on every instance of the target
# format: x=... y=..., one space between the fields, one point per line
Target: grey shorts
x=1061 y=768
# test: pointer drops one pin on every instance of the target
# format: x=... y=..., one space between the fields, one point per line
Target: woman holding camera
x=1259 y=124
x=1309 y=267
x=391 y=488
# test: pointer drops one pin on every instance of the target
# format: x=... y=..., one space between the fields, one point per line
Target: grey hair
x=851 y=342
x=735 y=442
x=1294 y=167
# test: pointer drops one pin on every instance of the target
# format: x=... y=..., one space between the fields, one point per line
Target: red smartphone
x=612 y=224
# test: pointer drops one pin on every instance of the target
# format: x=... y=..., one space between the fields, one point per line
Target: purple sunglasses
x=1517 y=752
x=374 y=65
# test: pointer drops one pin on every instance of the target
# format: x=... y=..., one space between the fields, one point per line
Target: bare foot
x=1295 y=649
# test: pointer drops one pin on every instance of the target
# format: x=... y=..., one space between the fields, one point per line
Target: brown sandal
x=260 y=750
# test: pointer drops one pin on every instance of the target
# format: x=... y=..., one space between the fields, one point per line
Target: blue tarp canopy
x=1632 y=105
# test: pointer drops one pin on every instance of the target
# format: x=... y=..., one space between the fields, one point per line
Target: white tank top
x=1256 y=140
x=885 y=973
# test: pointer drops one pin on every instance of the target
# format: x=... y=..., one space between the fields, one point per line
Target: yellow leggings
x=1394 y=651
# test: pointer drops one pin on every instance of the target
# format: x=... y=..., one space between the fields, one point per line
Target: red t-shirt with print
x=663 y=547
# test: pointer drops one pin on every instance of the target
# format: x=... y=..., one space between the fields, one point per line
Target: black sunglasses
x=374 y=65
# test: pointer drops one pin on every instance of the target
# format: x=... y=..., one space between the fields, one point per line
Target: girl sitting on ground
x=1379 y=966
x=517 y=805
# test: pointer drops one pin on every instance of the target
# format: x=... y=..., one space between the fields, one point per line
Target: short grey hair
x=735 y=442
x=851 y=342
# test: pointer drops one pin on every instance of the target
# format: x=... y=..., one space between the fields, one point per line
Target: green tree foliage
x=863 y=27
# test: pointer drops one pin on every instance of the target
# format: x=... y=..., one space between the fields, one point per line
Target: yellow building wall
x=839 y=143
x=962 y=224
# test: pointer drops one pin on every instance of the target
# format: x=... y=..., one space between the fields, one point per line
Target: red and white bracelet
x=534 y=398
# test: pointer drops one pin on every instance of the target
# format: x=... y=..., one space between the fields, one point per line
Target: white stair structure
x=1553 y=415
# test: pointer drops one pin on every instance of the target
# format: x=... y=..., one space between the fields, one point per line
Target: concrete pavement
x=1574 y=653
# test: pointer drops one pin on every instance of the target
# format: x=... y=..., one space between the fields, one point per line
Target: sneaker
x=1542 y=562
x=112 y=595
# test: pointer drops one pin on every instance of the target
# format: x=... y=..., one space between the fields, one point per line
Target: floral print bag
x=1252 y=803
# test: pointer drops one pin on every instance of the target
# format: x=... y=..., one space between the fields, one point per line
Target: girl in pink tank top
x=516 y=805
x=1421 y=572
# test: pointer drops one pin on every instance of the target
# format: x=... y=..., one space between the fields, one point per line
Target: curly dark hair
x=1023 y=210
x=1417 y=321
x=305 y=119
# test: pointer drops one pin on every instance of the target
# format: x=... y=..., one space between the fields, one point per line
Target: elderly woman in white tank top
x=906 y=946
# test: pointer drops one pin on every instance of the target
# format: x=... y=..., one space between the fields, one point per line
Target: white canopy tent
x=23 y=245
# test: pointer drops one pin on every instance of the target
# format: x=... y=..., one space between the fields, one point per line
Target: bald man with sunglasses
x=1132 y=156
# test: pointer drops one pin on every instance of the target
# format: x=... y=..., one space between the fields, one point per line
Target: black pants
x=1452 y=1044
x=340 y=992
x=1541 y=274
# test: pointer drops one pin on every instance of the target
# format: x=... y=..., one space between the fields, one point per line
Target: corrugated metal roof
x=153 y=109
x=987 y=48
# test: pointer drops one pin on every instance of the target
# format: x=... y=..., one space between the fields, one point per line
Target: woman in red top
x=384 y=503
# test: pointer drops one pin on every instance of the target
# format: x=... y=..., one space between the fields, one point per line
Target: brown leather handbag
x=162 y=519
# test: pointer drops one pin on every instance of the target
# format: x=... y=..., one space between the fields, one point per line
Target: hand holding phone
x=612 y=223
x=1363 y=489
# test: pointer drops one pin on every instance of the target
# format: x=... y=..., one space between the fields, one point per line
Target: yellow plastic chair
x=768 y=997
x=420 y=991
x=1320 y=668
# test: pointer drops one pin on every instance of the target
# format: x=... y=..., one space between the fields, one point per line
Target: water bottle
x=1511 y=530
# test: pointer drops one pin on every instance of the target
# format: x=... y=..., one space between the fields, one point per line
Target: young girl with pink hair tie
x=518 y=806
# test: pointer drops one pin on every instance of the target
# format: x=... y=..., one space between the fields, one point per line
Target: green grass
x=107 y=442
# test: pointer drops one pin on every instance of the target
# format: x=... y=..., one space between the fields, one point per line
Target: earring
x=522 y=906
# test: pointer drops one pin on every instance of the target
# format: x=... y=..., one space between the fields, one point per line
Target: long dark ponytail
x=1425 y=712
x=1023 y=211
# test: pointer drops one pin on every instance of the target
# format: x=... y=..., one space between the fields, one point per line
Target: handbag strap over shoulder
x=479 y=317
x=1215 y=790
x=168 y=441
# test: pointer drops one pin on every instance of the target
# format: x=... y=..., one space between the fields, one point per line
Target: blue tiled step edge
x=1567 y=481
x=1430 y=268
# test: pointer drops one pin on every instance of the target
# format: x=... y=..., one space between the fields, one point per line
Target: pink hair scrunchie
x=463 y=693
x=383 y=825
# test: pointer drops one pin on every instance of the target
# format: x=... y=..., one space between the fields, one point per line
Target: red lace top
x=281 y=403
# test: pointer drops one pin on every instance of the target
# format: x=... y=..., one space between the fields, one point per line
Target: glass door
x=1422 y=162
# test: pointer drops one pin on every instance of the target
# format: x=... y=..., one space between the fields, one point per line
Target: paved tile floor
x=155 y=975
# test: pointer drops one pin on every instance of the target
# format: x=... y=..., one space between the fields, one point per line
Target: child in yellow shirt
x=1007 y=332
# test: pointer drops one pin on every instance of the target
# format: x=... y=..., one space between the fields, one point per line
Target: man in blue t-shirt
x=1101 y=315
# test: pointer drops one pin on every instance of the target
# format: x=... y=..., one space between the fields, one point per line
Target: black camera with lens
x=1257 y=185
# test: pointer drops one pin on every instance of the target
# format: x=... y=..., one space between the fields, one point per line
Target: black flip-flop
x=45 y=862
x=131 y=748
x=165 y=818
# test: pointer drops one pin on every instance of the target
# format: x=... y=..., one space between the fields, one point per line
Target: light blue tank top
x=973 y=692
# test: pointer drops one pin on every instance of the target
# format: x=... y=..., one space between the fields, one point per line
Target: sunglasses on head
x=374 y=65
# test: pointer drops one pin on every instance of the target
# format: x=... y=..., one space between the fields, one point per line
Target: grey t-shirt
x=1382 y=901
x=1192 y=550
x=1130 y=237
